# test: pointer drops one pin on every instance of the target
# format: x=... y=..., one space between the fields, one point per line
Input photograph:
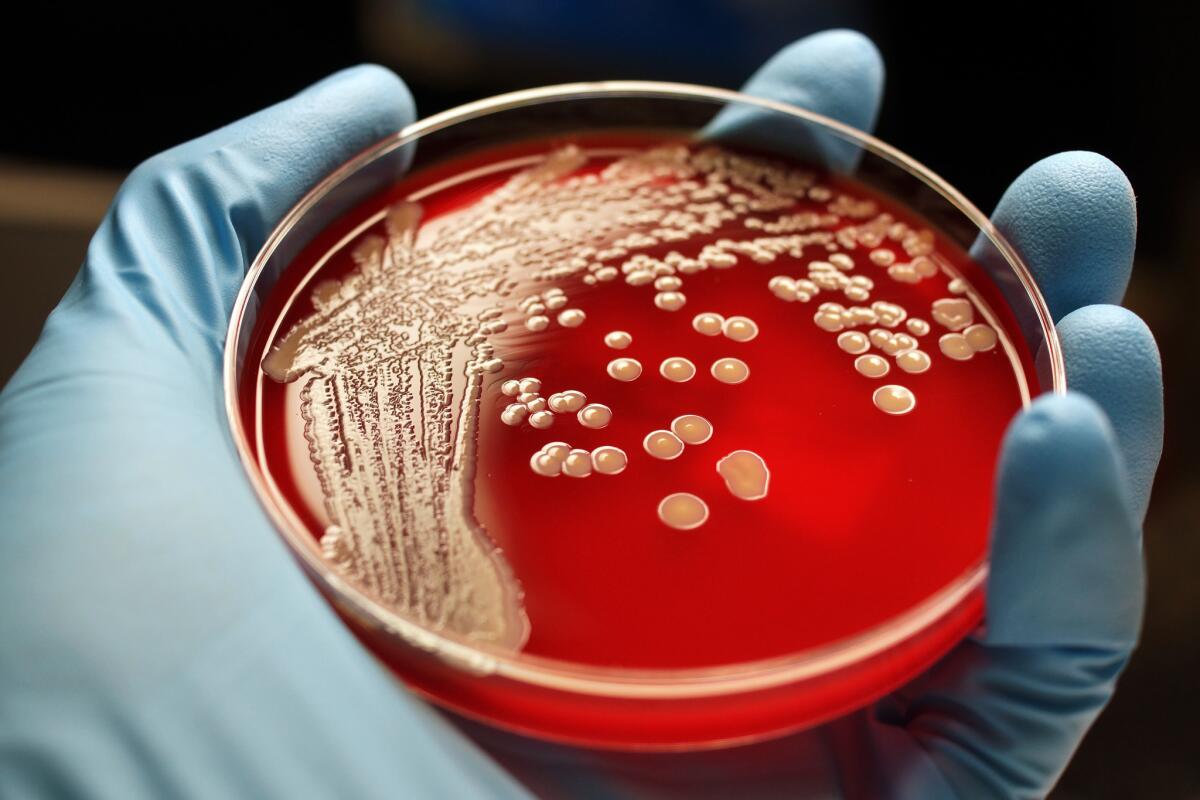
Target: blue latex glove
x=1001 y=715
x=157 y=639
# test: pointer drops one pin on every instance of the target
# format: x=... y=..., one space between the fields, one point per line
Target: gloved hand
x=1001 y=715
x=158 y=640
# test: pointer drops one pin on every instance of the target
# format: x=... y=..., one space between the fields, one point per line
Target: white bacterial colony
x=981 y=337
x=893 y=399
x=609 y=460
x=559 y=458
x=736 y=328
x=917 y=326
x=952 y=313
x=746 y=475
x=854 y=342
x=529 y=406
x=955 y=346
x=692 y=428
x=618 y=340
x=392 y=363
x=683 y=511
x=740 y=329
x=567 y=402
x=391 y=434
x=730 y=370
x=871 y=366
x=708 y=323
x=625 y=369
x=963 y=346
x=915 y=271
x=595 y=415
x=677 y=369
x=571 y=318
x=664 y=445
x=686 y=429
x=892 y=344
x=829 y=275
x=913 y=362
x=536 y=308
x=670 y=301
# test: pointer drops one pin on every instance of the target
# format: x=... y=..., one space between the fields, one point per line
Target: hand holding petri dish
x=603 y=419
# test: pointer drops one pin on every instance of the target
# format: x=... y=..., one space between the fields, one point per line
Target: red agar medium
x=639 y=403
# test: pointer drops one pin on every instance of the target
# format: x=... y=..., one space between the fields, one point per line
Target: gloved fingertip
x=1065 y=562
x=1054 y=430
x=1073 y=218
x=838 y=73
x=1111 y=356
x=366 y=89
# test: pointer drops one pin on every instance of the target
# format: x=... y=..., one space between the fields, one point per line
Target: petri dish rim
x=572 y=677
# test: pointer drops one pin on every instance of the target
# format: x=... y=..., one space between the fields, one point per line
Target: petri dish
x=636 y=415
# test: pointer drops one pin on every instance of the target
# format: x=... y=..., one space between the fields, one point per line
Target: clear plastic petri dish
x=637 y=415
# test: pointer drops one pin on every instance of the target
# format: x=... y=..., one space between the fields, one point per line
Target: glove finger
x=1111 y=357
x=1066 y=567
x=1073 y=219
x=837 y=73
x=186 y=223
x=1001 y=715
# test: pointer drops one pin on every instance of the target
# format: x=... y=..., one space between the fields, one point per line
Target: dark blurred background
x=975 y=92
